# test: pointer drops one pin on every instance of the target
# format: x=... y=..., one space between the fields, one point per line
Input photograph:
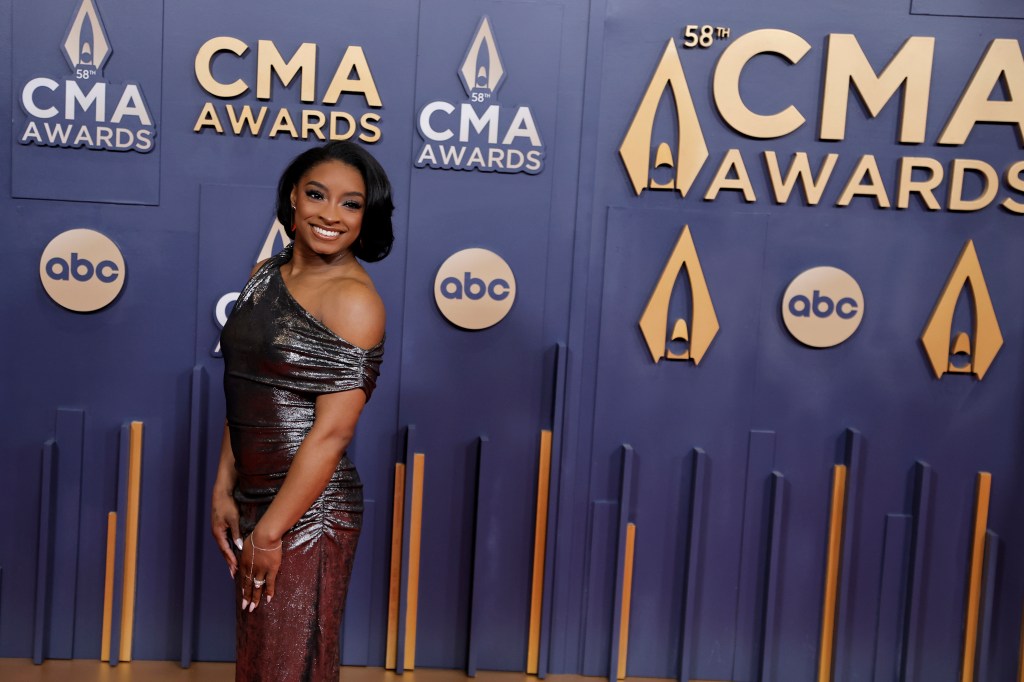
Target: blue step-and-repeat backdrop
x=705 y=342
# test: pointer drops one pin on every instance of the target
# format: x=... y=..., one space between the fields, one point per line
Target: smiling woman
x=302 y=351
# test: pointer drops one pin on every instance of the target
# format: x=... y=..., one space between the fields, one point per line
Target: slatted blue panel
x=44 y=557
x=554 y=487
x=770 y=634
x=408 y=459
x=916 y=571
x=193 y=525
x=850 y=567
x=754 y=554
x=601 y=586
x=688 y=646
x=483 y=538
x=124 y=450
x=70 y=435
x=625 y=512
x=892 y=598
x=986 y=626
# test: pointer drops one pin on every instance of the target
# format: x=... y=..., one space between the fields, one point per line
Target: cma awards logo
x=961 y=352
x=85 y=110
x=479 y=134
x=666 y=152
x=277 y=238
x=688 y=340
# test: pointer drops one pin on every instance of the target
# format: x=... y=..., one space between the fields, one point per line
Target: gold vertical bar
x=108 y=587
x=415 y=520
x=627 y=598
x=131 y=537
x=391 y=656
x=984 y=491
x=835 y=550
x=1020 y=653
x=540 y=539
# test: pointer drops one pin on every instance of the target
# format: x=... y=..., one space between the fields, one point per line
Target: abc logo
x=822 y=307
x=474 y=288
x=82 y=270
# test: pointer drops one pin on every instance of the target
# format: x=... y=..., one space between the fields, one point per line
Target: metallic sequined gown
x=277 y=359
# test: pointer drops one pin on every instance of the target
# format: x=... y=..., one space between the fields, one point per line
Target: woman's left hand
x=259 y=566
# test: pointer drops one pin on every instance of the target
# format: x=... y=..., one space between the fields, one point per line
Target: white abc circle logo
x=474 y=288
x=82 y=270
x=823 y=307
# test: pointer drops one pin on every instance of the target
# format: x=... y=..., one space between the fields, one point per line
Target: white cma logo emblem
x=85 y=45
x=481 y=70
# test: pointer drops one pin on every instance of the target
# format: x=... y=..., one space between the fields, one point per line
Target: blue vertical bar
x=847 y=563
x=625 y=508
x=193 y=514
x=483 y=516
x=749 y=610
x=124 y=454
x=988 y=607
x=769 y=619
x=355 y=626
x=551 y=547
x=599 y=587
x=696 y=522
x=403 y=600
x=890 y=597
x=70 y=434
x=43 y=556
x=915 y=588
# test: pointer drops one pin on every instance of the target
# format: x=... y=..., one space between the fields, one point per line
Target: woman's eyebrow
x=322 y=186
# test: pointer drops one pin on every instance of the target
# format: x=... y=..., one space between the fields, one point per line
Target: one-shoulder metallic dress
x=277 y=359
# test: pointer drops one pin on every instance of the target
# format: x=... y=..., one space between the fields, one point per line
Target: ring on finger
x=258 y=583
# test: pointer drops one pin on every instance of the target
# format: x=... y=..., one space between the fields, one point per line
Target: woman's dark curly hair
x=376 y=234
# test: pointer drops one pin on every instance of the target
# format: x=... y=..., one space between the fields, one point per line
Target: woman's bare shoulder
x=256 y=267
x=353 y=310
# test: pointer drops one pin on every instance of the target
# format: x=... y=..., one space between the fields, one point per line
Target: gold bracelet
x=253 y=543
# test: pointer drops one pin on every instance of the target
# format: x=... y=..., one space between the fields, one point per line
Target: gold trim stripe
x=415 y=521
x=835 y=550
x=627 y=598
x=984 y=491
x=1020 y=654
x=1020 y=663
x=391 y=656
x=131 y=540
x=108 y=587
x=540 y=539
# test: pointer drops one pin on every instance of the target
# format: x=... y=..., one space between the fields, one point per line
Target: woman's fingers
x=224 y=525
x=247 y=590
x=226 y=549
x=257 y=593
x=269 y=588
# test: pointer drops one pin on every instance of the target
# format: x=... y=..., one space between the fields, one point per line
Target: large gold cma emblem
x=962 y=353
x=640 y=154
x=703 y=323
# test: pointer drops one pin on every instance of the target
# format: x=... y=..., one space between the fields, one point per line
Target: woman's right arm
x=223 y=508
